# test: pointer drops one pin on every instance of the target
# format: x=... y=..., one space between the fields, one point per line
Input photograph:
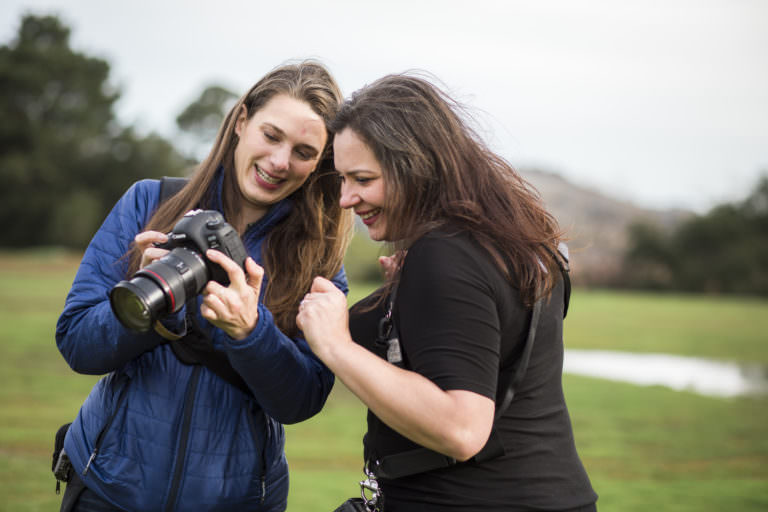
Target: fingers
x=255 y=274
x=234 y=272
x=145 y=242
x=233 y=308
x=323 y=292
x=391 y=264
x=236 y=311
x=323 y=317
x=320 y=284
x=146 y=238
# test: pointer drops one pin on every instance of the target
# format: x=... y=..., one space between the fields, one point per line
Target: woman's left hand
x=234 y=308
x=323 y=317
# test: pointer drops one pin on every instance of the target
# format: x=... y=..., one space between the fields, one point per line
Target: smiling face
x=362 y=181
x=278 y=148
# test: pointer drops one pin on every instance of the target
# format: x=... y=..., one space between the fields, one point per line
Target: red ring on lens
x=164 y=284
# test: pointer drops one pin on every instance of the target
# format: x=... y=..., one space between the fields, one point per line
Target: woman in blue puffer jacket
x=159 y=434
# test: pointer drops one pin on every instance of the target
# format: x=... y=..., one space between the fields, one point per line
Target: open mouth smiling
x=368 y=217
x=267 y=178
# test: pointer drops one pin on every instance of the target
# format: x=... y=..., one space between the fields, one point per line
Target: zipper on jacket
x=189 y=401
x=103 y=433
x=267 y=441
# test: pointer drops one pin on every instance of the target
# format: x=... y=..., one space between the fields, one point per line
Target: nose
x=349 y=197
x=281 y=157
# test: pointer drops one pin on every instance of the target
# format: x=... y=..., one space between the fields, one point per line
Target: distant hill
x=595 y=224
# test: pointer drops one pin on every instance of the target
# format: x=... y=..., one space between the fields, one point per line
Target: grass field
x=645 y=448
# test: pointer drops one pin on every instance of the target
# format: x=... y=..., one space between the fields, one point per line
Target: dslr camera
x=163 y=286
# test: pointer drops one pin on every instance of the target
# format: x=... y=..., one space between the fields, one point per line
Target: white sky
x=663 y=102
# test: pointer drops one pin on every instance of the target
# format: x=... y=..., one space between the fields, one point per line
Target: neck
x=248 y=215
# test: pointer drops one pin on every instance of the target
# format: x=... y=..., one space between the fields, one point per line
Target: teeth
x=266 y=177
x=372 y=213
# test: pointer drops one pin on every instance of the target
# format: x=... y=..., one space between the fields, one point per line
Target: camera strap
x=195 y=346
x=169 y=186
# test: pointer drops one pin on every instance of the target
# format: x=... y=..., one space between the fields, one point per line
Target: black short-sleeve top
x=459 y=322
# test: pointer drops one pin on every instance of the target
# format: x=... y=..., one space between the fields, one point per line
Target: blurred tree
x=201 y=120
x=724 y=251
x=64 y=159
x=648 y=260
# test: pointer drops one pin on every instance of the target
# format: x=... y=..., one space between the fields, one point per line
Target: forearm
x=456 y=423
x=93 y=342
x=288 y=381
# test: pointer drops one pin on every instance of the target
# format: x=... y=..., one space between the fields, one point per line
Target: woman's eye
x=363 y=181
x=304 y=155
x=270 y=137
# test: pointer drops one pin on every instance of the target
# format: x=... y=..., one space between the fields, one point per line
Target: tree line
x=65 y=159
x=723 y=251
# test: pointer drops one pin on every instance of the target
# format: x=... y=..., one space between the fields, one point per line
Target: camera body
x=200 y=230
x=163 y=286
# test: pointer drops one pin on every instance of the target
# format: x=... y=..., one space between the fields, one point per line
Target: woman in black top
x=475 y=250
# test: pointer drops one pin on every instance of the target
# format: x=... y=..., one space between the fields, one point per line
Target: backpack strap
x=170 y=186
x=195 y=346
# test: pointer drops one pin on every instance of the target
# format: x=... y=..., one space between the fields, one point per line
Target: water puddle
x=704 y=376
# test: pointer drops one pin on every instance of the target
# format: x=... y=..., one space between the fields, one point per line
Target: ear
x=242 y=117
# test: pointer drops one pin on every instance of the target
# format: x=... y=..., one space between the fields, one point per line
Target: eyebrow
x=356 y=172
x=301 y=145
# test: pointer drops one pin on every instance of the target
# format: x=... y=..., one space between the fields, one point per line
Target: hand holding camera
x=205 y=256
x=233 y=308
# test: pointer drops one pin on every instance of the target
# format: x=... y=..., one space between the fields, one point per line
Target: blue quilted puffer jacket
x=156 y=434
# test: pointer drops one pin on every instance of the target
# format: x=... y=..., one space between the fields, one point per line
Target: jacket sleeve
x=88 y=334
x=290 y=383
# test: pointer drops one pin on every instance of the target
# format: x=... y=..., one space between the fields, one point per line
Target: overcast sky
x=663 y=102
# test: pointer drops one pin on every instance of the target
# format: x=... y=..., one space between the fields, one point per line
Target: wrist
x=335 y=351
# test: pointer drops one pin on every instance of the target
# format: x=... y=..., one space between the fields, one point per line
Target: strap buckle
x=370 y=484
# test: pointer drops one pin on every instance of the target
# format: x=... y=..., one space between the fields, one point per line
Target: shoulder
x=135 y=207
x=146 y=191
x=457 y=250
x=444 y=260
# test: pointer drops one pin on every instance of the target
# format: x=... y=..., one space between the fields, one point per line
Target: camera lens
x=158 y=289
x=137 y=302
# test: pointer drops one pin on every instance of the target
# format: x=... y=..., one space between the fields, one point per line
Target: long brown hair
x=312 y=240
x=439 y=173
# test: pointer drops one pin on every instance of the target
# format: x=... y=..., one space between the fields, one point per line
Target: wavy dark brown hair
x=440 y=174
x=312 y=240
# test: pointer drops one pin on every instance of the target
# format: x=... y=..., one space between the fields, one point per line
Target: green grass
x=725 y=328
x=645 y=448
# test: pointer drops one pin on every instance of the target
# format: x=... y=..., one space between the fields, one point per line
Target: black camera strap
x=170 y=186
x=195 y=346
